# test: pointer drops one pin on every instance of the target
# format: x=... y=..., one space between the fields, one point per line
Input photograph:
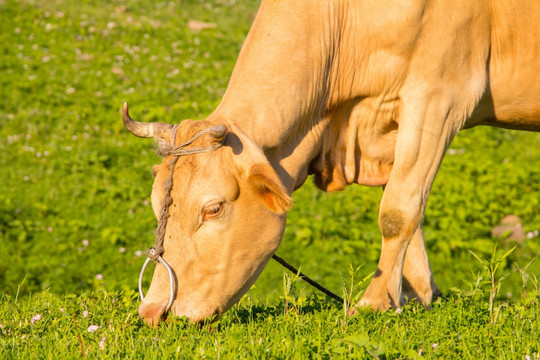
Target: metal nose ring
x=171 y=280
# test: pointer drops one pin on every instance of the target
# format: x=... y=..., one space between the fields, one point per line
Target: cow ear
x=268 y=188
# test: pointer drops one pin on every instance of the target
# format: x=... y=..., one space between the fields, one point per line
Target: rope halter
x=155 y=253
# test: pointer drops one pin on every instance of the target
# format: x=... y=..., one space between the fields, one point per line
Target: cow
x=360 y=91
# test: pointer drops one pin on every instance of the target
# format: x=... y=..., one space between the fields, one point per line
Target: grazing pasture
x=75 y=214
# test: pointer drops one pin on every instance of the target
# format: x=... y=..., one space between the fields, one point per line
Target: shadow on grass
x=247 y=312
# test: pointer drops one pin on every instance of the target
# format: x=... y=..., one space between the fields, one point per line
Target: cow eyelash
x=212 y=211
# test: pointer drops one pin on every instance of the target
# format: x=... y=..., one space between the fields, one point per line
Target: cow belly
x=513 y=97
x=517 y=108
x=509 y=108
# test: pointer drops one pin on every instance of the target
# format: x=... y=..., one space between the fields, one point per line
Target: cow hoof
x=357 y=309
x=425 y=297
x=368 y=304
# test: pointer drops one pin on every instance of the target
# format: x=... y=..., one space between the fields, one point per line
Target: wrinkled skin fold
x=365 y=92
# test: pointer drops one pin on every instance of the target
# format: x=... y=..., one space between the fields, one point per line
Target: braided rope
x=166 y=149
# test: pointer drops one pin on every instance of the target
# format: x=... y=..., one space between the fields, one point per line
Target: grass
x=75 y=215
x=457 y=327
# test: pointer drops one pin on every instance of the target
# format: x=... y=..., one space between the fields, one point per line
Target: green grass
x=75 y=215
x=456 y=328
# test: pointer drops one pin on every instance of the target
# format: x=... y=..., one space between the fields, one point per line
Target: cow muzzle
x=202 y=314
x=153 y=311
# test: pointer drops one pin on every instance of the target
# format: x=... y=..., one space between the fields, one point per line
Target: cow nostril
x=152 y=313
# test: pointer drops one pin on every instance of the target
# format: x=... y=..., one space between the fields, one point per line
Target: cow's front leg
x=418 y=283
x=422 y=140
x=398 y=224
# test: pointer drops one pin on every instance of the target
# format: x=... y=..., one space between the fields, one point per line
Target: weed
x=490 y=267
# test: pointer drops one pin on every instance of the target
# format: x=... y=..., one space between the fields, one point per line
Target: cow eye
x=212 y=211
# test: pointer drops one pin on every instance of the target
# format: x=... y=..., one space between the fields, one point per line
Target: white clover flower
x=92 y=328
x=35 y=318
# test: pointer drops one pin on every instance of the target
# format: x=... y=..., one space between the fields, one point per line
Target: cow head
x=226 y=220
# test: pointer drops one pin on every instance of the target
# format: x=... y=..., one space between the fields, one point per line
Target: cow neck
x=290 y=156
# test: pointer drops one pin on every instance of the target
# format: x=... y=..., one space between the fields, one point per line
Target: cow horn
x=218 y=132
x=144 y=130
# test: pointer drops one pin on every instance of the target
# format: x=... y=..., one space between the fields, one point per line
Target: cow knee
x=396 y=223
x=392 y=223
